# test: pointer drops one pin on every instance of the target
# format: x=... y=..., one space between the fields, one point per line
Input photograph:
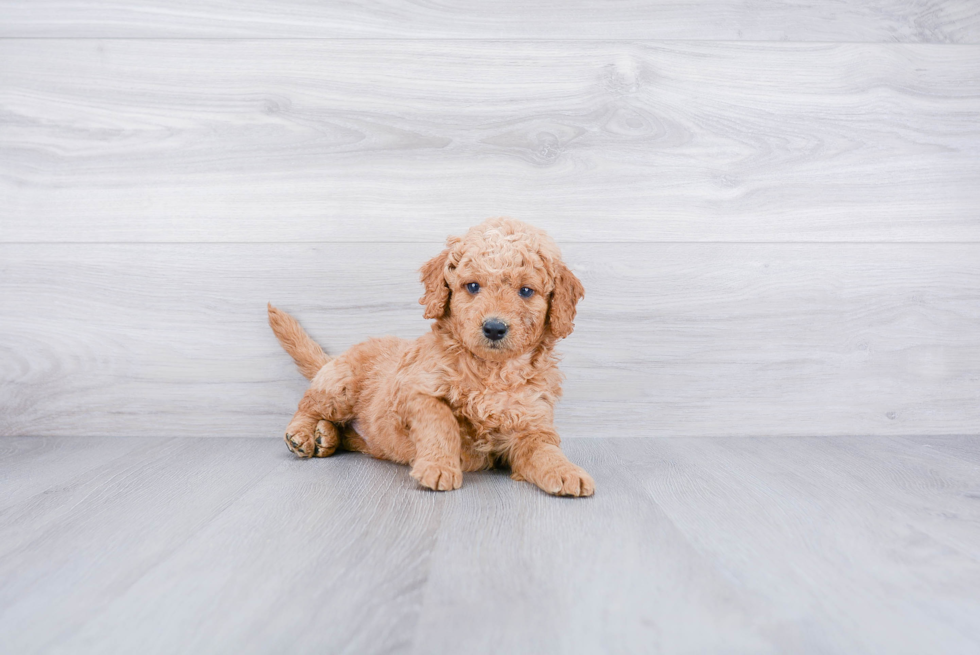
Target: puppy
x=477 y=391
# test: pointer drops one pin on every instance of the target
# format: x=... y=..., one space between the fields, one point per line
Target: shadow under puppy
x=478 y=391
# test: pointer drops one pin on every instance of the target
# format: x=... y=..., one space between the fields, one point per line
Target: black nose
x=494 y=329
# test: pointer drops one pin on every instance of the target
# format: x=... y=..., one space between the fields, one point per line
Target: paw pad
x=293 y=443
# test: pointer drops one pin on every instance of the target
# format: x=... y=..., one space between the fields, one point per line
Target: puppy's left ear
x=568 y=291
x=433 y=272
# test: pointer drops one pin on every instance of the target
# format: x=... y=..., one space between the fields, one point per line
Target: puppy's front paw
x=564 y=479
x=438 y=477
x=300 y=441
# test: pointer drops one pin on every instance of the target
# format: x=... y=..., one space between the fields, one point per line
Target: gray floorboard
x=67 y=551
x=34 y=465
x=841 y=545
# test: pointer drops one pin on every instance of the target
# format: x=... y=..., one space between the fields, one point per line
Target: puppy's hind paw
x=300 y=442
x=438 y=477
x=327 y=438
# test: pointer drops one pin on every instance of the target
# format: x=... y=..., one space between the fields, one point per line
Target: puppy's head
x=501 y=289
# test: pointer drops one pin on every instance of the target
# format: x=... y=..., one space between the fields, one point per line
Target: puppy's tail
x=307 y=354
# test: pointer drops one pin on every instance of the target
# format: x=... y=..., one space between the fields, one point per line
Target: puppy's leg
x=538 y=459
x=436 y=435
x=312 y=432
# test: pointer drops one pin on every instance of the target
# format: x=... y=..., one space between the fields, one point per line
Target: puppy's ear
x=568 y=291
x=433 y=272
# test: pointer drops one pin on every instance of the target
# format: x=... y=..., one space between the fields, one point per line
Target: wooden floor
x=794 y=545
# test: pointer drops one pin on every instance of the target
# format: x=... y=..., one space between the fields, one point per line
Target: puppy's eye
x=526 y=292
x=473 y=287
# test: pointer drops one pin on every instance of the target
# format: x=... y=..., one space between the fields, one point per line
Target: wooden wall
x=775 y=211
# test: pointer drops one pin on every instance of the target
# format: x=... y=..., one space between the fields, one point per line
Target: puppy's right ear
x=436 y=295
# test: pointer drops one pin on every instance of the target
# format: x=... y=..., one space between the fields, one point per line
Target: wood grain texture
x=762 y=545
x=671 y=339
x=967 y=449
x=102 y=531
x=31 y=466
x=838 y=515
x=332 y=552
x=934 y=21
x=365 y=140
x=610 y=575
x=799 y=545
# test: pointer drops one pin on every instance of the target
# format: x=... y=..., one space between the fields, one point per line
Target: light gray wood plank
x=943 y=21
x=751 y=545
x=65 y=555
x=326 y=555
x=671 y=339
x=32 y=465
x=763 y=545
x=300 y=141
x=965 y=447
x=518 y=571
x=858 y=545
x=33 y=512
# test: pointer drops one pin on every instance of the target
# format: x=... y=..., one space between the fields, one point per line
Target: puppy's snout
x=494 y=329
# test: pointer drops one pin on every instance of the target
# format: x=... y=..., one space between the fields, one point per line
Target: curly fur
x=453 y=400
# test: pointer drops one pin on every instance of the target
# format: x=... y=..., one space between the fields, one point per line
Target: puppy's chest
x=496 y=410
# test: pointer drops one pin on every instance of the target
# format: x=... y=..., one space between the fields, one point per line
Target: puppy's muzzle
x=494 y=329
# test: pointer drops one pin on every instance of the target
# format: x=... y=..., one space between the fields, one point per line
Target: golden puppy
x=479 y=390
